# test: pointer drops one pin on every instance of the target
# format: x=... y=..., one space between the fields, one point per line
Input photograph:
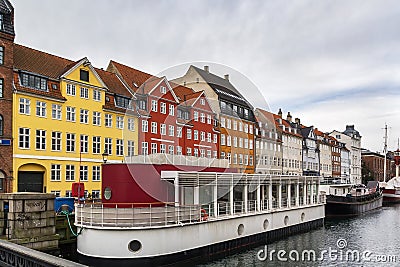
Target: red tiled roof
x=113 y=83
x=134 y=78
x=39 y=62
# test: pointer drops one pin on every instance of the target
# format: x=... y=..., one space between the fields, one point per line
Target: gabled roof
x=113 y=83
x=35 y=61
x=133 y=78
x=222 y=86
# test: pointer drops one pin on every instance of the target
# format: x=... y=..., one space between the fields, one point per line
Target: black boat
x=358 y=199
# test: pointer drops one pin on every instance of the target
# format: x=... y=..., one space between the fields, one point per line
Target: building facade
x=235 y=115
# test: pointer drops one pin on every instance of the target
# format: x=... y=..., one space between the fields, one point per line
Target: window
x=241 y=142
x=40 y=109
x=235 y=143
x=196 y=135
x=1 y=87
x=1 y=125
x=70 y=142
x=209 y=119
x=56 y=111
x=108 y=145
x=142 y=104
x=209 y=137
x=71 y=114
x=120 y=122
x=171 y=130
x=84 y=75
x=196 y=116
x=131 y=124
x=33 y=81
x=228 y=140
x=163 y=129
x=163 y=108
x=202 y=153
x=246 y=143
x=108 y=120
x=208 y=153
x=96 y=95
x=251 y=130
x=171 y=110
x=215 y=138
x=153 y=127
x=235 y=125
x=228 y=123
x=229 y=158
x=84 y=116
x=222 y=139
x=70 y=172
x=189 y=151
x=240 y=127
x=83 y=173
x=131 y=148
x=24 y=106
x=222 y=122
x=153 y=148
x=1 y=53
x=96 y=118
x=196 y=152
x=162 y=148
x=68 y=193
x=40 y=139
x=246 y=128
x=84 y=93
x=71 y=89
x=95 y=194
x=96 y=145
x=23 y=138
x=55 y=172
x=163 y=89
x=189 y=134
x=235 y=159
x=202 y=136
x=145 y=126
x=56 y=141
x=120 y=147
x=154 y=105
x=202 y=101
x=179 y=150
x=178 y=132
x=95 y=174
x=84 y=143
x=202 y=118
x=171 y=149
x=145 y=148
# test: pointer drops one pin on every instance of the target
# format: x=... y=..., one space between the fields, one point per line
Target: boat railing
x=252 y=206
x=293 y=201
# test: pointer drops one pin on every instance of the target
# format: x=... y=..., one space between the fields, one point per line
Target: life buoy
x=204 y=215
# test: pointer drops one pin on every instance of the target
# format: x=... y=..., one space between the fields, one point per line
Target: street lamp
x=105 y=156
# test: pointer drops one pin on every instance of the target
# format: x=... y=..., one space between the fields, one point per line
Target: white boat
x=213 y=215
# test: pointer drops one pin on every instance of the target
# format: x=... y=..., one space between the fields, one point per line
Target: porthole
x=240 y=229
x=265 y=224
x=135 y=245
x=303 y=216
x=107 y=193
x=286 y=220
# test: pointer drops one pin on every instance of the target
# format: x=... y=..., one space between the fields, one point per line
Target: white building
x=352 y=140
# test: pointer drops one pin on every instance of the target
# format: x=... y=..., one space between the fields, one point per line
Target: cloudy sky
x=330 y=63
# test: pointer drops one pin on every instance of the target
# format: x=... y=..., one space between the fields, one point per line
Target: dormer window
x=33 y=81
x=84 y=75
x=163 y=89
x=1 y=22
x=202 y=101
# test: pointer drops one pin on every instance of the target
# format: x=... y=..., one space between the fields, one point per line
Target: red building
x=200 y=135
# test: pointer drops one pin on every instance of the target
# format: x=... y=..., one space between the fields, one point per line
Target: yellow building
x=65 y=117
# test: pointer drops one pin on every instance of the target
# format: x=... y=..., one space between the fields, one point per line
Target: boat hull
x=345 y=206
x=197 y=242
x=391 y=196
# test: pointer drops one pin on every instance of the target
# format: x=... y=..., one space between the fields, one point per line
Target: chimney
x=297 y=120
x=349 y=127
x=280 y=113
x=207 y=69
x=226 y=77
x=289 y=117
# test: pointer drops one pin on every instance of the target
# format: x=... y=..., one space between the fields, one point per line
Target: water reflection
x=374 y=236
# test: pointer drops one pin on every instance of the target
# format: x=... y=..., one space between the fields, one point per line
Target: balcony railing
x=162 y=158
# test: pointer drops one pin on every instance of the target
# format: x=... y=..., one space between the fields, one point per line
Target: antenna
x=385 y=152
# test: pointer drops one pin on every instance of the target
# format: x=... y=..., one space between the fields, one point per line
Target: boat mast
x=385 y=153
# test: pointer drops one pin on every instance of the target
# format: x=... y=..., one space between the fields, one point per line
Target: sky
x=329 y=63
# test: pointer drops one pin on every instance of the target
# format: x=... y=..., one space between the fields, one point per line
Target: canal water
x=372 y=239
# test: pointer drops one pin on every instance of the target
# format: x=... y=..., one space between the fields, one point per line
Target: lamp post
x=105 y=156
